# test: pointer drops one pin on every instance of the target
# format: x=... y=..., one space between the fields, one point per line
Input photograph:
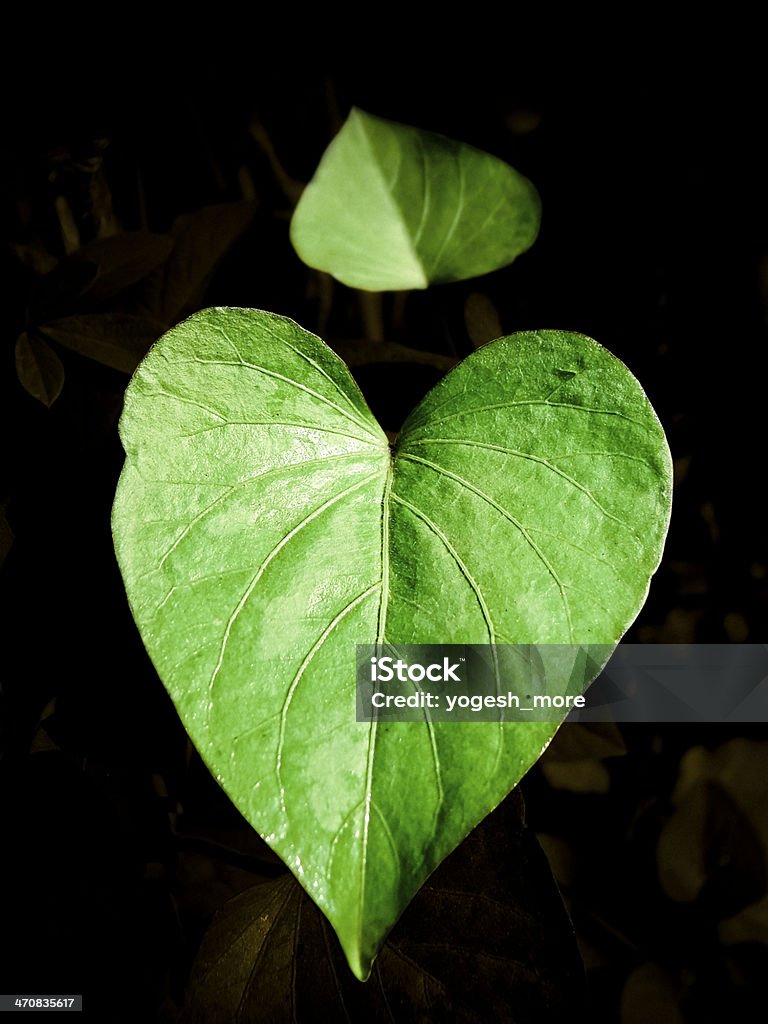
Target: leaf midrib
x=387 y=189
x=380 y=632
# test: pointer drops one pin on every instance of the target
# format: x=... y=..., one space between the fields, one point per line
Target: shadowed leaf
x=487 y=939
x=123 y=260
x=119 y=340
x=577 y=741
x=359 y=353
x=59 y=290
x=482 y=319
x=200 y=241
x=576 y=776
x=652 y=993
x=714 y=848
x=39 y=369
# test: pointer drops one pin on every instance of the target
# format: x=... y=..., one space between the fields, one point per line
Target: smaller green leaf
x=39 y=369
x=118 y=340
x=393 y=207
x=123 y=260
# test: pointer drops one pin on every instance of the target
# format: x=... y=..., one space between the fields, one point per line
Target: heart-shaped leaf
x=393 y=207
x=264 y=527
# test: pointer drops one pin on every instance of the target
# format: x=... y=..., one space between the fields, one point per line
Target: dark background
x=117 y=846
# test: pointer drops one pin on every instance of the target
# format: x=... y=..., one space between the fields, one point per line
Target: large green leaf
x=392 y=207
x=264 y=527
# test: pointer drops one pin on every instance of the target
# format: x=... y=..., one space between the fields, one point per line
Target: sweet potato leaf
x=391 y=206
x=264 y=527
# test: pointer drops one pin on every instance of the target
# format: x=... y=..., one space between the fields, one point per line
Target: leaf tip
x=360 y=964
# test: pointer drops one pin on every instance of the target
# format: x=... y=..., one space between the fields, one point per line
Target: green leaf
x=393 y=207
x=263 y=528
x=119 y=340
x=39 y=369
x=487 y=939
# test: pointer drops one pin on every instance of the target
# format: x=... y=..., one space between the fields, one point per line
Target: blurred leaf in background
x=39 y=369
x=131 y=288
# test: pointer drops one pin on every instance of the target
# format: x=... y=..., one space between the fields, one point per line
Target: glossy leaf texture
x=264 y=527
x=394 y=207
x=486 y=939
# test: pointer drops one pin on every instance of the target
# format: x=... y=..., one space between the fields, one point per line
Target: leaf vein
x=539 y=402
x=286 y=380
x=241 y=483
x=260 y=572
x=456 y=218
x=315 y=364
x=515 y=522
x=478 y=594
x=299 y=676
x=275 y=423
x=532 y=458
